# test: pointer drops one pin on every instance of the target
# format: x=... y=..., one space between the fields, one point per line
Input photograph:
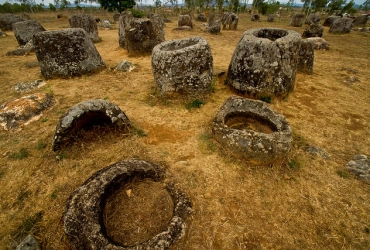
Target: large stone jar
x=251 y=130
x=264 y=62
x=183 y=67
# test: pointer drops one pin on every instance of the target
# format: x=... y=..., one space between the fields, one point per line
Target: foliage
x=18 y=8
x=116 y=5
x=194 y=104
x=366 y=5
x=52 y=7
x=266 y=99
x=22 y=154
x=335 y=5
x=137 y=13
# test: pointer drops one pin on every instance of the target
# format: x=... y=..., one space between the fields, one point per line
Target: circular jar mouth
x=177 y=45
x=137 y=211
x=271 y=34
x=249 y=121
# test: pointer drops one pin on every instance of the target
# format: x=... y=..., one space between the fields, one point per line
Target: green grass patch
x=22 y=154
x=194 y=104
x=294 y=164
x=40 y=145
x=266 y=99
x=343 y=174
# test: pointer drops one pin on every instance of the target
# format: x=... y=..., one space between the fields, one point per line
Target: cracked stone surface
x=360 y=167
x=83 y=214
x=306 y=57
x=183 y=66
x=66 y=53
x=264 y=62
x=251 y=130
x=341 y=26
x=85 y=113
x=7 y=20
x=24 y=110
x=185 y=20
x=87 y=23
x=296 y=20
x=229 y=21
x=24 y=31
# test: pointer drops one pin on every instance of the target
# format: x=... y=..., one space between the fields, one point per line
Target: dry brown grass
x=306 y=203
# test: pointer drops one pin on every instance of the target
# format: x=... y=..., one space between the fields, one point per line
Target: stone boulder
x=360 y=167
x=22 y=50
x=24 y=110
x=28 y=243
x=140 y=35
x=87 y=23
x=251 y=130
x=255 y=18
x=264 y=62
x=229 y=21
x=313 y=30
x=341 y=26
x=187 y=28
x=24 y=31
x=296 y=20
x=360 y=21
x=7 y=20
x=66 y=53
x=201 y=17
x=329 y=20
x=185 y=20
x=124 y=66
x=319 y=43
x=106 y=24
x=306 y=57
x=29 y=86
x=84 y=115
x=82 y=219
x=270 y=18
x=183 y=67
x=215 y=28
x=116 y=17
x=312 y=18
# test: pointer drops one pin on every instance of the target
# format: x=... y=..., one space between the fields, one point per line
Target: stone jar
x=184 y=67
x=264 y=62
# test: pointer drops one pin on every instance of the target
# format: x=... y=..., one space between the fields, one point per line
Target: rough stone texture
x=22 y=50
x=25 y=17
x=124 y=66
x=264 y=62
x=166 y=20
x=215 y=28
x=24 y=31
x=360 y=167
x=313 y=30
x=211 y=20
x=319 y=43
x=360 y=21
x=116 y=17
x=140 y=35
x=24 y=109
x=329 y=20
x=66 y=53
x=315 y=151
x=306 y=57
x=255 y=18
x=183 y=66
x=254 y=146
x=29 y=86
x=87 y=23
x=296 y=20
x=82 y=216
x=86 y=113
x=341 y=26
x=3 y=34
x=312 y=18
x=201 y=18
x=29 y=243
x=270 y=18
x=7 y=20
x=106 y=24
x=229 y=21
x=185 y=20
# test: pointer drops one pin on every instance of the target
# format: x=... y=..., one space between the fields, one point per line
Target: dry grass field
x=308 y=202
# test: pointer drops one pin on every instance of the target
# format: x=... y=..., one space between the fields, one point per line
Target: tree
x=234 y=5
x=366 y=5
x=348 y=8
x=119 y=5
x=335 y=5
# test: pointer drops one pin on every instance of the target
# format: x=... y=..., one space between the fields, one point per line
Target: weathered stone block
x=87 y=23
x=270 y=18
x=24 y=31
x=183 y=67
x=341 y=26
x=7 y=20
x=296 y=20
x=185 y=20
x=312 y=18
x=313 y=30
x=66 y=53
x=229 y=21
x=201 y=17
x=306 y=57
x=360 y=21
x=251 y=130
x=264 y=62
x=329 y=20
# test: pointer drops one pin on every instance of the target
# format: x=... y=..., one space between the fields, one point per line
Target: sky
x=46 y=2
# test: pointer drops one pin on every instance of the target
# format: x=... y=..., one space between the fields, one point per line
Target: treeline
x=17 y=8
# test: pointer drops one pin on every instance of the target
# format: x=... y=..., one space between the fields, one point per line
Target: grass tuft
x=194 y=104
x=22 y=154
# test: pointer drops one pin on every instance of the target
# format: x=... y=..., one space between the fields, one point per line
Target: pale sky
x=46 y=2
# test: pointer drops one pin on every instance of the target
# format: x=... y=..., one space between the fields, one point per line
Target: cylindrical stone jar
x=264 y=62
x=183 y=67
